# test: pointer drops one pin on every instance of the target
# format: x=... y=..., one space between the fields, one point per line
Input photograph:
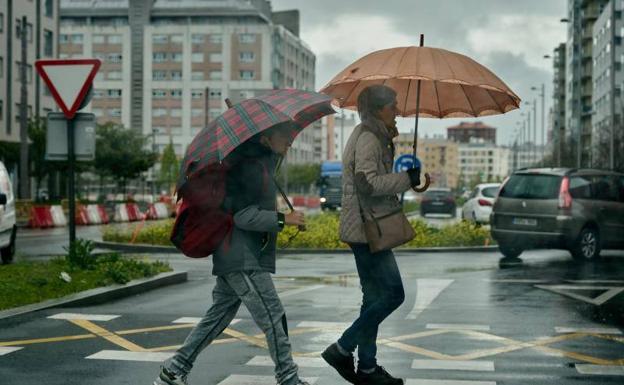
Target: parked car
x=478 y=207
x=578 y=210
x=8 y=229
x=438 y=201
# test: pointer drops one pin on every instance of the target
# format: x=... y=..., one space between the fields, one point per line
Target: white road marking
x=516 y=281
x=320 y=324
x=238 y=379
x=600 y=370
x=609 y=292
x=303 y=362
x=563 y=330
x=4 y=350
x=483 y=328
x=473 y=366
x=594 y=281
x=289 y=293
x=124 y=355
x=86 y=317
x=195 y=320
x=427 y=291
x=411 y=381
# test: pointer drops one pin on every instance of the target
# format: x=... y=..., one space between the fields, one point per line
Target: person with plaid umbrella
x=252 y=137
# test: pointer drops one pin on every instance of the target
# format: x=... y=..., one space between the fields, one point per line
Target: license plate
x=524 y=222
x=438 y=203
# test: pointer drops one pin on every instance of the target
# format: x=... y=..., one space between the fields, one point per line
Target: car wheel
x=8 y=252
x=509 y=251
x=587 y=245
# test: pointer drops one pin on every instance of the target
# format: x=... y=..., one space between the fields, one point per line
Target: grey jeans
x=256 y=290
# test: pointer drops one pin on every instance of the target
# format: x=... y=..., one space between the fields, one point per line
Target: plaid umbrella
x=248 y=118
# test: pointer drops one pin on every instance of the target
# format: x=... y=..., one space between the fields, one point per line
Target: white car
x=478 y=207
x=8 y=229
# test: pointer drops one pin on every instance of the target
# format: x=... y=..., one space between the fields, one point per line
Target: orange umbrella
x=430 y=83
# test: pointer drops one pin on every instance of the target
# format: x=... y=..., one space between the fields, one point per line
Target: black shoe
x=344 y=365
x=378 y=377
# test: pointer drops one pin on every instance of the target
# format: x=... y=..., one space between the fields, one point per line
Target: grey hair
x=374 y=98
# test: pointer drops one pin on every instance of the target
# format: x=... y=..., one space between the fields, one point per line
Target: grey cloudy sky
x=509 y=37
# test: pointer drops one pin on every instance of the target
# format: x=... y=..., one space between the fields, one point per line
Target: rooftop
x=470 y=125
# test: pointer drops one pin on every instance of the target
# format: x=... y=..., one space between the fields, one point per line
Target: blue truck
x=330 y=185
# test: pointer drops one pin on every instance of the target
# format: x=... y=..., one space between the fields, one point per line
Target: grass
x=25 y=283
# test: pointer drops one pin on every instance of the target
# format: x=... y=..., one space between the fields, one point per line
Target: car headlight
x=323 y=200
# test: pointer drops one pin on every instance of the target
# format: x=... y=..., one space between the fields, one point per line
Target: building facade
x=41 y=42
x=439 y=157
x=558 y=119
x=169 y=65
x=465 y=132
x=483 y=162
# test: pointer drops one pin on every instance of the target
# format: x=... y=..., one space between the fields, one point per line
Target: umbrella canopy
x=248 y=118
x=452 y=85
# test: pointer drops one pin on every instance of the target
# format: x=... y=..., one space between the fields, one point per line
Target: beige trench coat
x=370 y=151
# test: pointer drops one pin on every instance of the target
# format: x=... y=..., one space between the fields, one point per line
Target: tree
x=300 y=176
x=39 y=166
x=169 y=167
x=121 y=153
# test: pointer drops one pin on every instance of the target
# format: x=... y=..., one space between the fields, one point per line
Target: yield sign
x=68 y=81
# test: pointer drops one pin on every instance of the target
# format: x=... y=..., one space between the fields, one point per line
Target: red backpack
x=201 y=223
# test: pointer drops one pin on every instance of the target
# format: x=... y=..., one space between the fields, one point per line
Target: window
x=246 y=57
x=197 y=94
x=176 y=112
x=76 y=38
x=176 y=94
x=114 y=75
x=99 y=39
x=246 y=38
x=18 y=72
x=159 y=39
x=619 y=181
x=216 y=57
x=176 y=75
x=115 y=112
x=603 y=188
x=114 y=39
x=159 y=75
x=159 y=94
x=48 y=43
x=216 y=39
x=159 y=57
x=197 y=57
x=176 y=57
x=114 y=93
x=214 y=113
x=197 y=112
x=1 y=67
x=49 y=8
x=247 y=75
x=580 y=187
x=159 y=112
x=197 y=75
x=216 y=75
x=197 y=38
x=176 y=39
x=214 y=94
x=114 y=58
x=1 y=22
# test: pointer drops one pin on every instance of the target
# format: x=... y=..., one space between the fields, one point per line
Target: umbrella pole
x=427 y=177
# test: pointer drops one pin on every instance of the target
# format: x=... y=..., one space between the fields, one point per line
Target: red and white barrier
x=127 y=212
x=47 y=216
x=82 y=218
x=158 y=211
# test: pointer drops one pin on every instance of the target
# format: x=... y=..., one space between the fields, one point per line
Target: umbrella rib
x=435 y=88
x=474 y=113
x=500 y=108
x=409 y=85
x=356 y=84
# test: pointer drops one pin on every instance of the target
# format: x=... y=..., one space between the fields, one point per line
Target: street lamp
x=542 y=94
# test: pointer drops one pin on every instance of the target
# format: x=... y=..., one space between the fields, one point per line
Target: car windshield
x=490 y=192
x=532 y=186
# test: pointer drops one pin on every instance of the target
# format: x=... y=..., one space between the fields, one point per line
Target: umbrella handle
x=426 y=185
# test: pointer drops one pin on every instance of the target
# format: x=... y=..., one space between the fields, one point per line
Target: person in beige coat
x=367 y=174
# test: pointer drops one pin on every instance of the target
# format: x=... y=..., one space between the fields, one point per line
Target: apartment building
x=465 y=132
x=484 y=162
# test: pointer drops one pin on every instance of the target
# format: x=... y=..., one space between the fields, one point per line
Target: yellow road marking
x=244 y=337
x=417 y=350
x=46 y=340
x=418 y=335
x=109 y=336
x=155 y=329
x=576 y=356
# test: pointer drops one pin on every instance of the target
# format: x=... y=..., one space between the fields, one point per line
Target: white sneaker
x=166 y=377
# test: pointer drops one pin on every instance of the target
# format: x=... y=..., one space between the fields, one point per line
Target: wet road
x=464 y=322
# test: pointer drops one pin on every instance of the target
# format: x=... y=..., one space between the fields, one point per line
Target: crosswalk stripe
x=85 y=317
x=411 y=381
x=484 y=328
x=473 y=366
x=562 y=330
x=292 y=292
x=4 y=350
x=124 y=355
x=239 y=379
x=602 y=370
x=304 y=362
x=320 y=324
x=427 y=290
x=195 y=320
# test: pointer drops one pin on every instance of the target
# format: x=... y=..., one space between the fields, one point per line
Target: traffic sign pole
x=71 y=160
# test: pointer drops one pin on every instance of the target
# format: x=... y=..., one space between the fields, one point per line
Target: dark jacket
x=251 y=196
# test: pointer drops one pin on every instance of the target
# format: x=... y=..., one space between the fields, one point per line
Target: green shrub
x=80 y=254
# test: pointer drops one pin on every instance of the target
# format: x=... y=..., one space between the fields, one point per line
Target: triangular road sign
x=607 y=292
x=68 y=81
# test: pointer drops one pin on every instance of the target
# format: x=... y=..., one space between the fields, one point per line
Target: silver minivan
x=8 y=229
x=580 y=210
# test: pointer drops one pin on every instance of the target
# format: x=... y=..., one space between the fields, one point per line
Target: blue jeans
x=383 y=293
